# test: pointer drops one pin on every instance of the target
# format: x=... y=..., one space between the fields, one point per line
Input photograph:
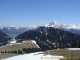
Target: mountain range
x=14 y=31
x=52 y=35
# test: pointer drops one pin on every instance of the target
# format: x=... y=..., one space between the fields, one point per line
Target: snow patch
x=34 y=56
x=33 y=41
x=12 y=42
x=73 y=48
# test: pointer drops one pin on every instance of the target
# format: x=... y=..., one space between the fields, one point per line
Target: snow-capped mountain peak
x=62 y=26
x=71 y=27
x=55 y=25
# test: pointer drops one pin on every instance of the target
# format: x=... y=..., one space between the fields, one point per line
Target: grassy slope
x=19 y=46
x=15 y=47
x=69 y=55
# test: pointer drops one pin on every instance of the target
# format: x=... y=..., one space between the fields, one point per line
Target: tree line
x=24 y=50
x=13 y=51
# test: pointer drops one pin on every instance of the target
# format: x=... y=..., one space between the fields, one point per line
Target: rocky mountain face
x=4 y=38
x=50 y=38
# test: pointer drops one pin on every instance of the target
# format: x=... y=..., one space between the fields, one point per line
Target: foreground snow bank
x=73 y=48
x=35 y=56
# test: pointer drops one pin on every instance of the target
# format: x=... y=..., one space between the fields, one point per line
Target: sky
x=39 y=12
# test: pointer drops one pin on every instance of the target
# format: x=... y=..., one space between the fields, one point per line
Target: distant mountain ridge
x=13 y=31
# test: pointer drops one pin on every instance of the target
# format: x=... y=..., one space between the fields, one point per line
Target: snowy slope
x=35 y=56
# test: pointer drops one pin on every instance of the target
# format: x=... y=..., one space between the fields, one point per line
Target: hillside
x=4 y=38
x=56 y=54
x=50 y=38
x=15 y=49
x=19 y=46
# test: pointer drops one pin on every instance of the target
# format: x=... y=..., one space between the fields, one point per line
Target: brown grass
x=15 y=47
x=19 y=46
x=69 y=55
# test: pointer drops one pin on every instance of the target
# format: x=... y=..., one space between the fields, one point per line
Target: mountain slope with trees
x=50 y=38
x=4 y=38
